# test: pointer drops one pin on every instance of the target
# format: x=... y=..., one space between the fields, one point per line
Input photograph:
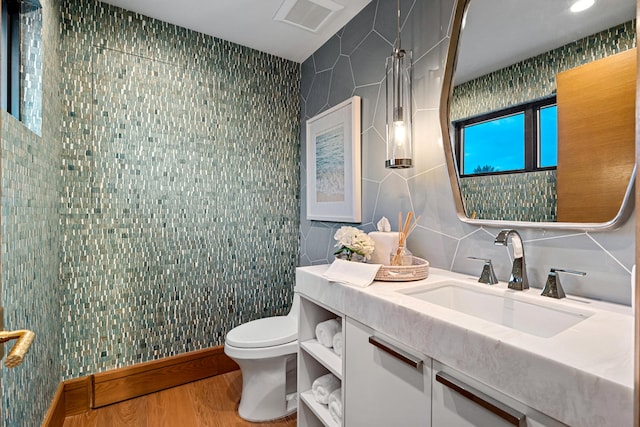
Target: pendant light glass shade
x=399 y=111
x=399 y=107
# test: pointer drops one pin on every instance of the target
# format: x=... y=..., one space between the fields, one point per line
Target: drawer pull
x=394 y=351
x=505 y=412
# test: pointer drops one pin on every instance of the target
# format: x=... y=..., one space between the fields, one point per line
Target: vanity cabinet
x=461 y=364
x=460 y=401
x=386 y=383
x=314 y=361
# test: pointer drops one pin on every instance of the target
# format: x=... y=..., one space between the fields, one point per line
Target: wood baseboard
x=82 y=394
x=56 y=414
x=137 y=380
x=77 y=395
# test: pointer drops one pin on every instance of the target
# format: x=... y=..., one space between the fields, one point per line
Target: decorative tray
x=404 y=273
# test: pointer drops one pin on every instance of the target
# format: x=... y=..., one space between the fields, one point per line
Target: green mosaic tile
x=513 y=197
x=30 y=222
x=180 y=187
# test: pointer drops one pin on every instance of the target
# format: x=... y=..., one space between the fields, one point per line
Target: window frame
x=531 y=137
x=10 y=61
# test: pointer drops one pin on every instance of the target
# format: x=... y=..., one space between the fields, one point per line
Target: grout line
x=608 y=253
x=455 y=255
x=438 y=232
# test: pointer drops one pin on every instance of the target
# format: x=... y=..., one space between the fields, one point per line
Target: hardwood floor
x=212 y=402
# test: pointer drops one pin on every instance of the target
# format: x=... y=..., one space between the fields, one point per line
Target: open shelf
x=314 y=361
x=321 y=411
x=324 y=355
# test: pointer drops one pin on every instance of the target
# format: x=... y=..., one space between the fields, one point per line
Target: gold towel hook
x=20 y=348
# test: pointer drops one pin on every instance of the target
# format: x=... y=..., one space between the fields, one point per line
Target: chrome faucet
x=518 y=279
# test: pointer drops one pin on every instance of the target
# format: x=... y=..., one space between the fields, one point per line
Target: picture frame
x=334 y=164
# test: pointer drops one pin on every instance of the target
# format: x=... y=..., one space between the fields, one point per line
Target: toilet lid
x=266 y=332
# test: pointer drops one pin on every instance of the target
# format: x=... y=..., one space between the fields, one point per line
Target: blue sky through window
x=548 y=136
x=497 y=144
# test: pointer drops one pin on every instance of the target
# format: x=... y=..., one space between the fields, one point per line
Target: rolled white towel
x=337 y=343
x=335 y=405
x=323 y=386
x=326 y=330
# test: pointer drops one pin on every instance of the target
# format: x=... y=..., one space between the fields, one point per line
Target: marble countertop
x=582 y=376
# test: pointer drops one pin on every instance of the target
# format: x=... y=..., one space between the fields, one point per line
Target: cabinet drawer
x=385 y=383
x=463 y=402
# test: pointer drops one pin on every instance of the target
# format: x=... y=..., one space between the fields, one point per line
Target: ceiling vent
x=310 y=15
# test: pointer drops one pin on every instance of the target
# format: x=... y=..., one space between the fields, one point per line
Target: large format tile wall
x=180 y=187
x=31 y=237
x=352 y=63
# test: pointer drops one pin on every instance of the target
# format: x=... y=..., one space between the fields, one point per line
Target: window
x=10 y=89
x=21 y=61
x=548 y=147
x=518 y=139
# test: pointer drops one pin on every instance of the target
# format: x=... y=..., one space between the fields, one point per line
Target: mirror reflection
x=542 y=111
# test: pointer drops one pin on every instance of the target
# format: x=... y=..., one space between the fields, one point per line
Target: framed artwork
x=333 y=164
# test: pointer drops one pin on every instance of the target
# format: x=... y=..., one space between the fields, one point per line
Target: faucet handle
x=553 y=288
x=487 y=276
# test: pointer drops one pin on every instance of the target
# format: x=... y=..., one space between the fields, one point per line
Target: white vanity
x=414 y=356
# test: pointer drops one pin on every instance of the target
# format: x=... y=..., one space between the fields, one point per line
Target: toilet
x=266 y=351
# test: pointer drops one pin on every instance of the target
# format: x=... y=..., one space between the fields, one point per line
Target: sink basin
x=502 y=307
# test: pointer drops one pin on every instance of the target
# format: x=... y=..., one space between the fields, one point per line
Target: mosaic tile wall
x=512 y=197
x=352 y=63
x=31 y=242
x=180 y=187
x=535 y=78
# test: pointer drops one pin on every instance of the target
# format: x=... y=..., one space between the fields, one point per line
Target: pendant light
x=399 y=107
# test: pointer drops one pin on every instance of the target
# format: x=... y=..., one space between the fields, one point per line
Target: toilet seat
x=261 y=352
x=261 y=333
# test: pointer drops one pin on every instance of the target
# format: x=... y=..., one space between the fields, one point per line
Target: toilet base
x=267 y=388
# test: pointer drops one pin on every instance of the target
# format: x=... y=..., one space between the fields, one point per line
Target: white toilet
x=266 y=351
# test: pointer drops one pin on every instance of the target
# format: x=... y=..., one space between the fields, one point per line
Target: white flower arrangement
x=353 y=241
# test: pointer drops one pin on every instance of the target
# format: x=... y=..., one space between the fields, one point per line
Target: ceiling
x=498 y=33
x=248 y=22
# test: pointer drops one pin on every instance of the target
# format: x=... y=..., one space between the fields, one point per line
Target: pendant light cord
x=398 y=112
x=398 y=38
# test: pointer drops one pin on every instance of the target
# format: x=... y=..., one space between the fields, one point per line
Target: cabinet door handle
x=409 y=359
x=505 y=412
